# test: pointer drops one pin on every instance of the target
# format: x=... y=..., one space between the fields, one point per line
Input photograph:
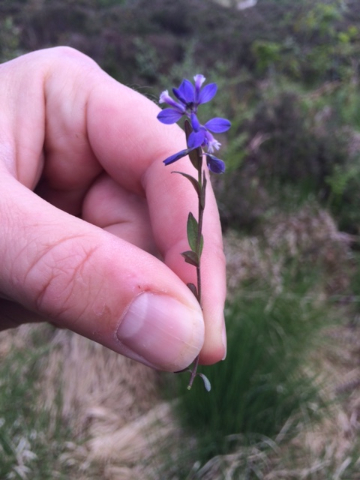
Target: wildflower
x=189 y=97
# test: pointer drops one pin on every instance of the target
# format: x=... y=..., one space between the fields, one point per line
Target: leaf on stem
x=193 y=180
x=191 y=257
x=193 y=288
x=192 y=232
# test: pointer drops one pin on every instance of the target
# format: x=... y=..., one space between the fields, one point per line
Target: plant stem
x=198 y=269
x=199 y=236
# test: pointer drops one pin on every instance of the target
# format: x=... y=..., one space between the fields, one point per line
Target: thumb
x=89 y=281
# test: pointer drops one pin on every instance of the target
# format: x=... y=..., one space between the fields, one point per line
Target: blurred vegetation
x=288 y=76
x=32 y=441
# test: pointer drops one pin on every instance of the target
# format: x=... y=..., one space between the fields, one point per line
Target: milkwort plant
x=200 y=144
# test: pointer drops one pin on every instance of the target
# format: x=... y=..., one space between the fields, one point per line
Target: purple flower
x=214 y=164
x=201 y=136
x=188 y=99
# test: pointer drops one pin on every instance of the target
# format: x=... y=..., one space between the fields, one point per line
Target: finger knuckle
x=61 y=276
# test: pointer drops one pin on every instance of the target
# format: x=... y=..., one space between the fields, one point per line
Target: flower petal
x=218 y=125
x=195 y=123
x=185 y=93
x=199 y=80
x=196 y=139
x=215 y=164
x=176 y=156
x=211 y=142
x=169 y=116
x=165 y=98
x=207 y=93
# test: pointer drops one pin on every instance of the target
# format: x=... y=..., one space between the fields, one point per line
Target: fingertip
x=215 y=345
x=161 y=332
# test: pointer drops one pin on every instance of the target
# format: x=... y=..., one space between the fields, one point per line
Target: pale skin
x=92 y=223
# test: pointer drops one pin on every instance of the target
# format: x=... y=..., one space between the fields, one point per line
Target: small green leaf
x=193 y=289
x=192 y=231
x=193 y=180
x=191 y=257
x=206 y=381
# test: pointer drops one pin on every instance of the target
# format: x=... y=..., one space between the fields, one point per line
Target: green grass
x=262 y=384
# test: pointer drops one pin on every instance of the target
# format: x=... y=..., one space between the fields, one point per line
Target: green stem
x=198 y=269
x=199 y=235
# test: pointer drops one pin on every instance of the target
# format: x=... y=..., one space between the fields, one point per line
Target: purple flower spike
x=188 y=99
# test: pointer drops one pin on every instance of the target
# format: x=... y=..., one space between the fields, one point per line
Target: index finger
x=130 y=144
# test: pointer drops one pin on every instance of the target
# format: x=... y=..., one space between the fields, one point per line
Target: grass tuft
x=263 y=384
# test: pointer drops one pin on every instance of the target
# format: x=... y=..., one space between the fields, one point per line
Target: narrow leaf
x=206 y=381
x=188 y=129
x=193 y=180
x=193 y=289
x=192 y=231
x=196 y=158
x=191 y=257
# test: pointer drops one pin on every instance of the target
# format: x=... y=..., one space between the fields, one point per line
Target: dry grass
x=110 y=402
x=92 y=377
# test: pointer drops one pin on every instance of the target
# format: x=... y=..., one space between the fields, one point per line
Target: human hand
x=92 y=224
